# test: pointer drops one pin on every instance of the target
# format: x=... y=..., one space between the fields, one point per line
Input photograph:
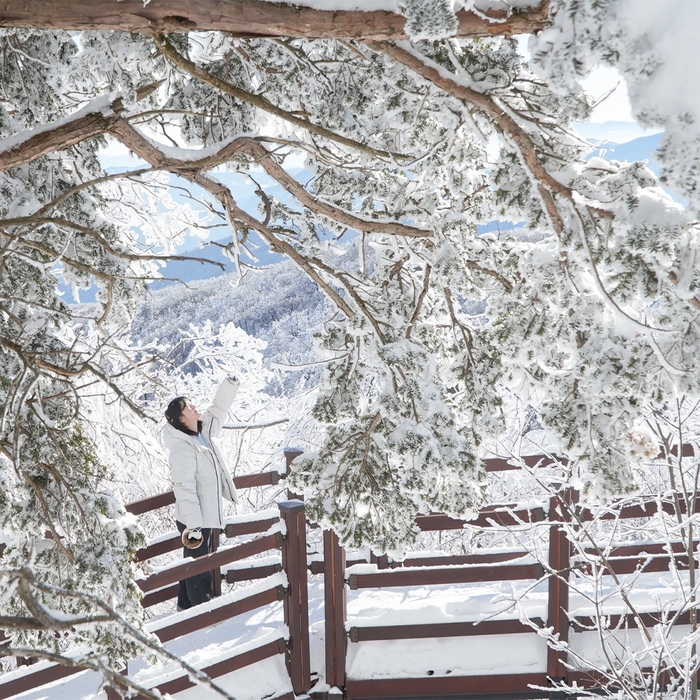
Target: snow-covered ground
x=406 y=658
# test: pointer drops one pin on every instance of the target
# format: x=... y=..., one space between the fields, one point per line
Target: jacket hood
x=173 y=437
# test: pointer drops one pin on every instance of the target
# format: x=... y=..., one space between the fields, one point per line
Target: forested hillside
x=279 y=305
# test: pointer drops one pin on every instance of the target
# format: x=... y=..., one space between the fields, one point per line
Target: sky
x=609 y=90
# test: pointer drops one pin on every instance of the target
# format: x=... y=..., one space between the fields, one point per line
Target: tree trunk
x=244 y=18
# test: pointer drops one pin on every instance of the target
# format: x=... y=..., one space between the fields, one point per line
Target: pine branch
x=26 y=578
x=32 y=144
x=506 y=125
x=547 y=185
x=96 y=236
x=131 y=138
x=278 y=173
x=261 y=102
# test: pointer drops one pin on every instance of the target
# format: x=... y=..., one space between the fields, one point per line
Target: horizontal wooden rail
x=500 y=464
x=251 y=527
x=160 y=596
x=519 y=686
x=159 y=548
x=488 y=517
x=249 y=481
x=649 y=619
x=431 y=577
x=650 y=548
x=597 y=681
x=231 y=530
x=219 y=614
x=441 y=629
x=317 y=567
x=446 y=686
x=630 y=565
x=646 y=509
x=459 y=559
x=252 y=573
x=35 y=679
x=177 y=685
x=145 y=505
x=210 y=561
x=245 y=481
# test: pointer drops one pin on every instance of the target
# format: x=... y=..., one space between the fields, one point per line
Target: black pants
x=198 y=588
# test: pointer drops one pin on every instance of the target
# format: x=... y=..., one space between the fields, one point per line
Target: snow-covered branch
x=253 y=18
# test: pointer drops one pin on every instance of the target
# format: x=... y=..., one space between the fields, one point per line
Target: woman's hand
x=192 y=537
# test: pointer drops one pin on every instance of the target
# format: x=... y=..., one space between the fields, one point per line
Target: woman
x=200 y=480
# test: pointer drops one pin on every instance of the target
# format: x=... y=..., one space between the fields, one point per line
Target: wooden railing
x=339 y=579
x=492 y=566
x=163 y=585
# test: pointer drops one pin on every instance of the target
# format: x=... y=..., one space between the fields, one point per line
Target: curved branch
x=507 y=284
x=419 y=303
x=226 y=198
x=547 y=185
x=278 y=173
x=261 y=102
x=27 y=146
x=131 y=138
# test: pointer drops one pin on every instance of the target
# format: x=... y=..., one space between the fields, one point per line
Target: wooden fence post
x=335 y=608
x=558 y=595
x=296 y=602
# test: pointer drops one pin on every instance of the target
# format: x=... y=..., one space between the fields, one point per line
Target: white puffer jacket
x=200 y=476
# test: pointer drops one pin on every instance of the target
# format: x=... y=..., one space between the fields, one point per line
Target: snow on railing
x=282 y=528
x=286 y=579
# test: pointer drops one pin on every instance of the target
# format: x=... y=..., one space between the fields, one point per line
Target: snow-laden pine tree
x=408 y=147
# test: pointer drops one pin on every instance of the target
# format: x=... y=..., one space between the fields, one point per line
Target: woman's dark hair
x=173 y=414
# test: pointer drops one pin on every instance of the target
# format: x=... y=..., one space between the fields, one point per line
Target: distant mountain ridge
x=613 y=131
x=278 y=304
x=640 y=149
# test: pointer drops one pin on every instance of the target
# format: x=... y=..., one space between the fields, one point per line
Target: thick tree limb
x=73 y=131
x=245 y=18
x=278 y=173
x=246 y=145
x=89 y=122
x=547 y=185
